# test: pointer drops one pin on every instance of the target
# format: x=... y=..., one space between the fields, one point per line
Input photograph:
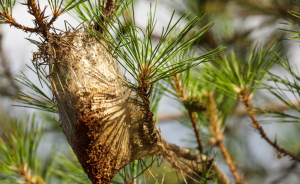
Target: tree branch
x=229 y=162
x=196 y=130
x=181 y=93
x=11 y=21
x=53 y=19
x=256 y=125
x=238 y=111
x=196 y=160
x=36 y=12
x=217 y=133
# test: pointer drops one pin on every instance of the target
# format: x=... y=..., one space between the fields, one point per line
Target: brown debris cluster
x=96 y=159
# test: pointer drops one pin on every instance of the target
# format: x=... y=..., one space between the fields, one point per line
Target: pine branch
x=215 y=128
x=183 y=96
x=292 y=86
x=229 y=161
x=196 y=130
x=41 y=24
x=8 y=19
x=35 y=10
x=280 y=151
x=195 y=160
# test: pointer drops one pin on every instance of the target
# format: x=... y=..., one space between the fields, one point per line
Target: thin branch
x=229 y=162
x=10 y=20
x=181 y=93
x=216 y=130
x=53 y=19
x=186 y=153
x=256 y=125
x=196 y=160
x=238 y=111
x=36 y=12
x=196 y=130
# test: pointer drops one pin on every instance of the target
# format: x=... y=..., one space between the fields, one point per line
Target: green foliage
x=207 y=174
x=295 y=34
x=7 y=7
x=281 y=88
x=57 y=9
x=37 y=99
x=188 y=78
x=132 y=172
x=19 y=161
x=90 y=10
x=67 y=169
x=232 y=75
x=137 y=54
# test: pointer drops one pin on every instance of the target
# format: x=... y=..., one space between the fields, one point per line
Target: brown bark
x=264 y=135
x=39 y=19
x=229 y=162
x=196 y=130
x=11 y=21
x=195 y=161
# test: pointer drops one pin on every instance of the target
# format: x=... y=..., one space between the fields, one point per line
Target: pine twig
x=238 y=111
x=28 y=177
x=53 y=19
x=196 y=130
x=194 y=160
x=36 y=12
x=229 y=161
x=180 y=91
x=33 y=9
x=256 y=125
x=11 y=21
x=215 y=127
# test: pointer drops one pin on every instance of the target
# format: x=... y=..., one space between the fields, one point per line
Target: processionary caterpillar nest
x=104 y=121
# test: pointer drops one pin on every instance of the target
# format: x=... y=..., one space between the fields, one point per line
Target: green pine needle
x=144 y=60
x=230 y=74
x=36 y=99
x=19 y=155
x=282 y=86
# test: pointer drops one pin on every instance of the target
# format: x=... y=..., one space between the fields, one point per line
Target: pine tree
x=108 y=119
